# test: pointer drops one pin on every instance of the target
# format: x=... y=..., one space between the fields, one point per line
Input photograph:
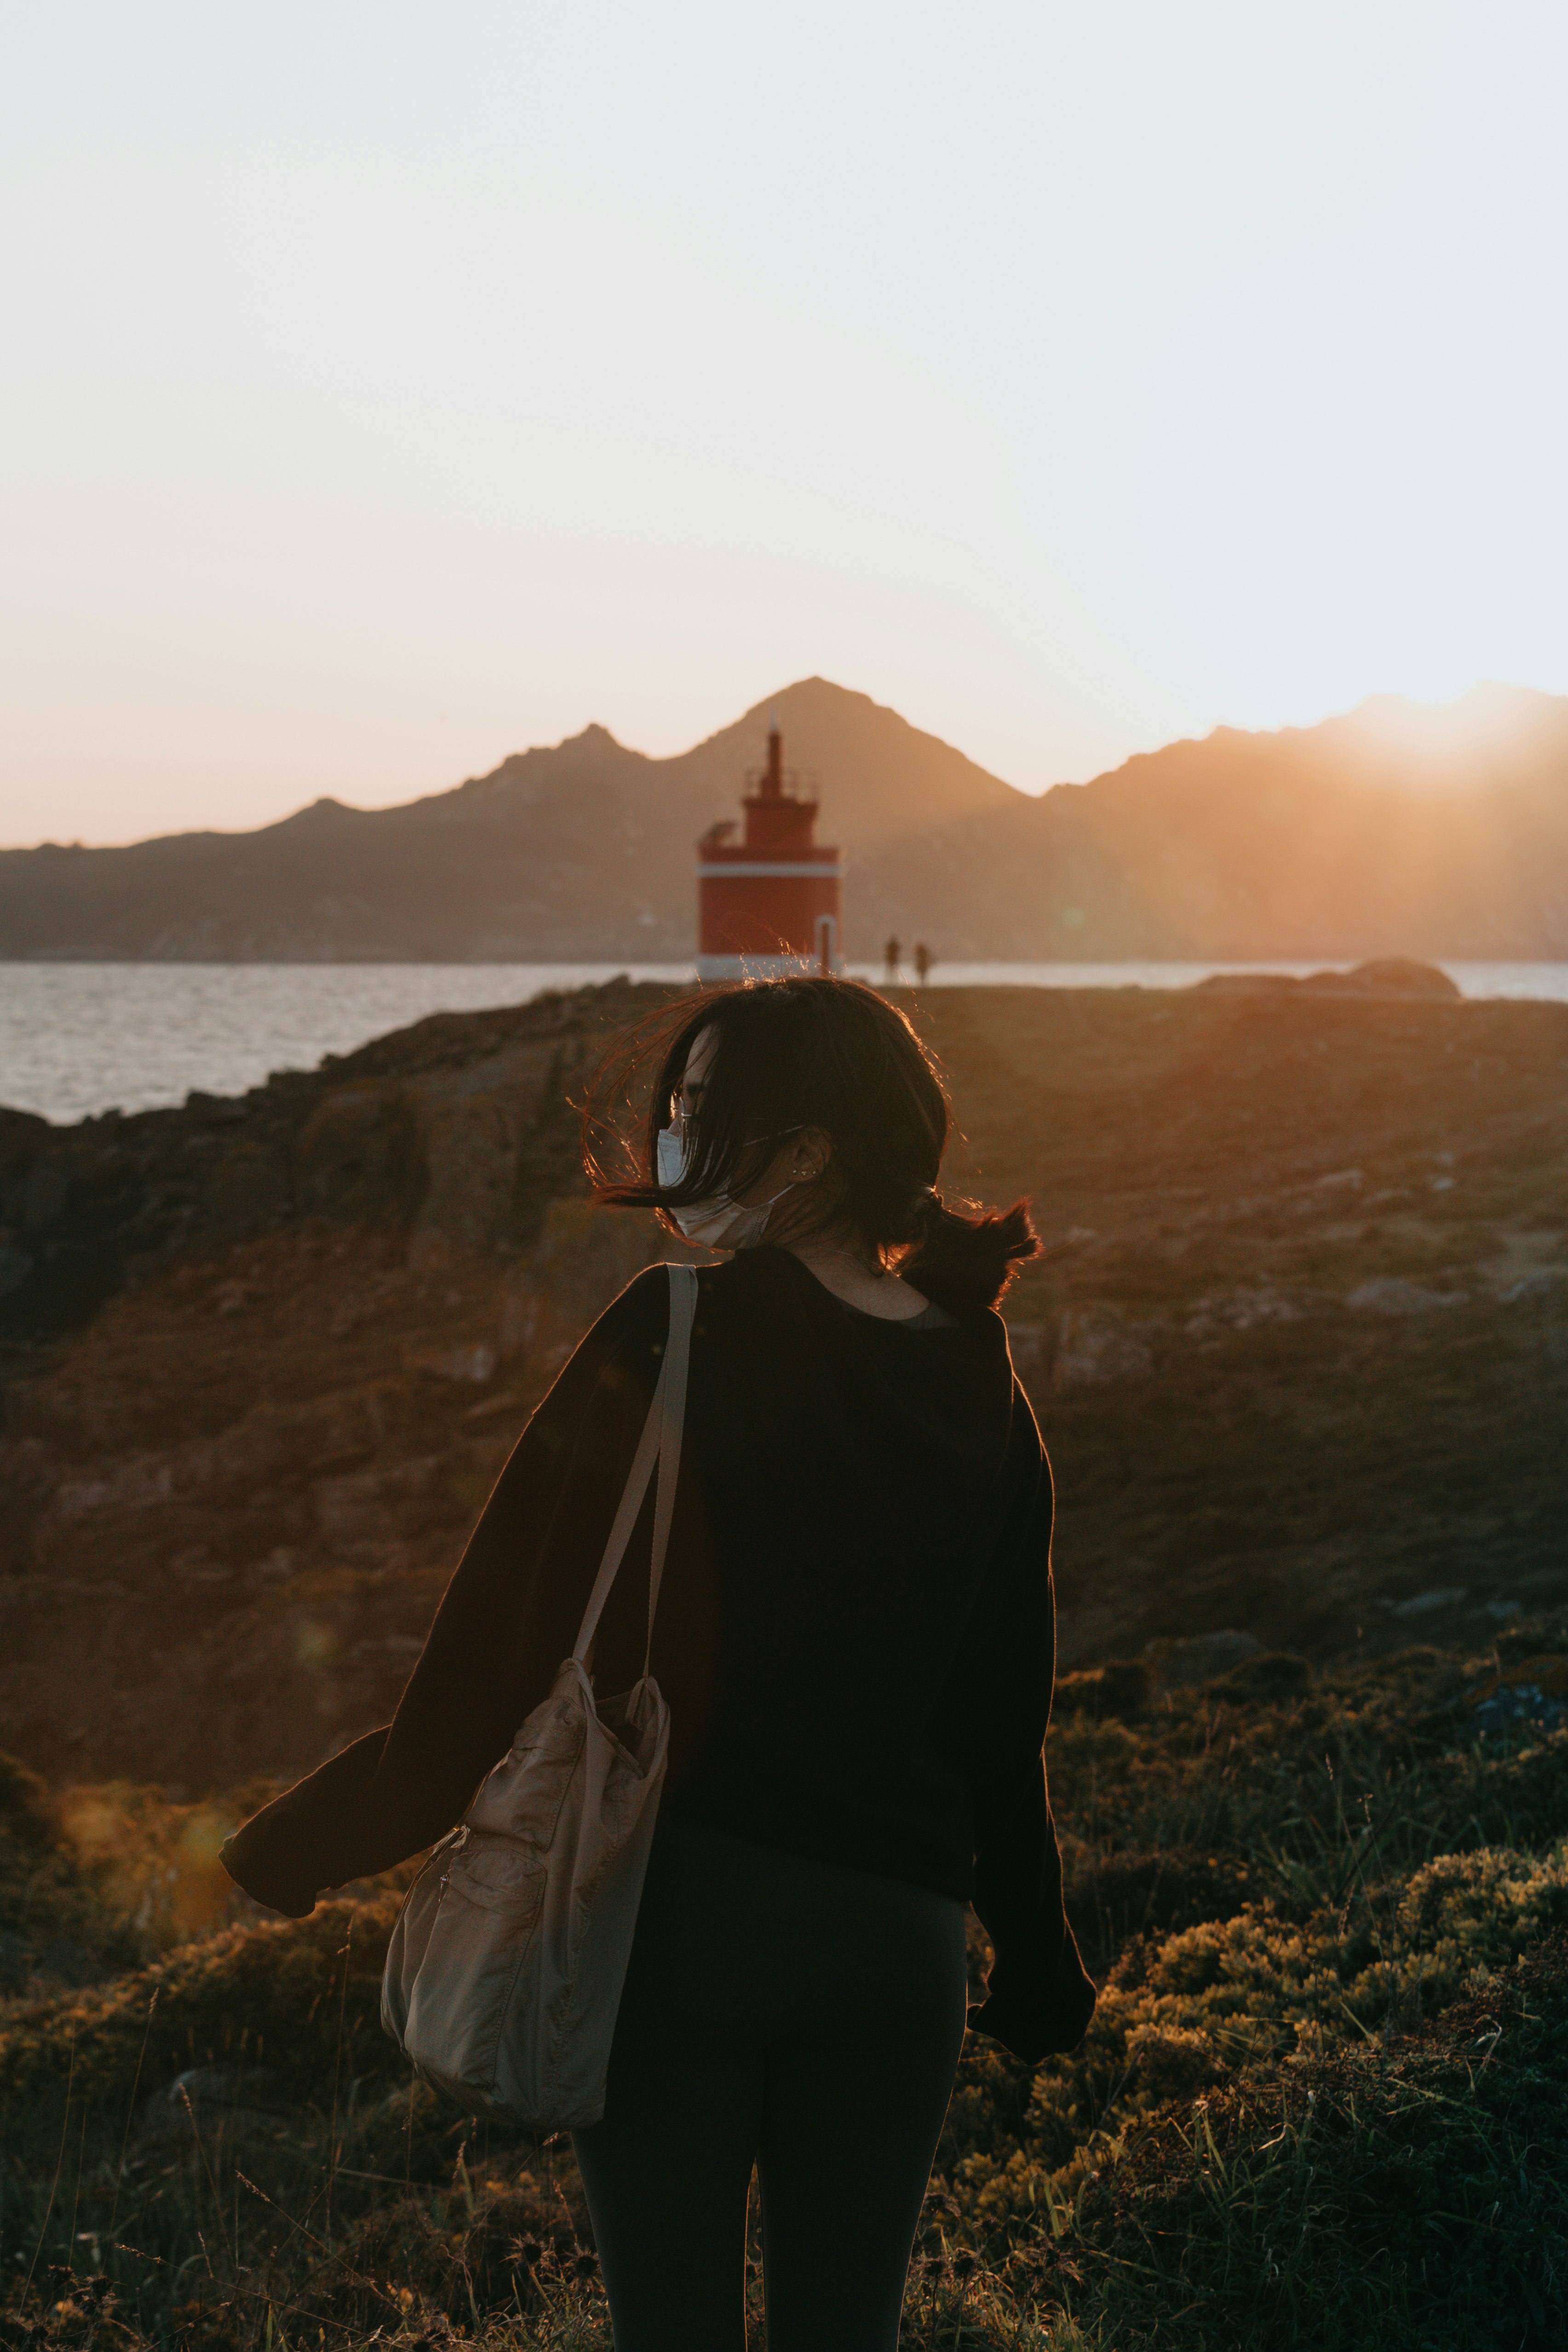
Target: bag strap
x=677 y=1361
x=661 y=1442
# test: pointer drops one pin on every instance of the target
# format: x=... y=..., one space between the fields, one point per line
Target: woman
x=855 y=1637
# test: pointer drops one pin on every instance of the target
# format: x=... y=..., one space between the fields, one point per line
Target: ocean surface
x=79 y=1038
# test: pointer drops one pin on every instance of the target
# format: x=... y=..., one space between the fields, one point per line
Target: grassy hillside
x=1323 y=2101
x=1300 y=1346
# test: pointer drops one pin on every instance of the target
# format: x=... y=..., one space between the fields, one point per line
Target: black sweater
x=855 y=1631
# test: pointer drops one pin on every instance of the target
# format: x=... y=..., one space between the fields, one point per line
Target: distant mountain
x=1396 y=830
x=587 y=849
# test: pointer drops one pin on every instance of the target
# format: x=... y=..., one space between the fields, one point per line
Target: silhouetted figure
x=893 y=951
x=853 y=1751
x=922 y=963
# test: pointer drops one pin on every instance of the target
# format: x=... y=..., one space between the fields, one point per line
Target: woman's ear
x=814 y=1150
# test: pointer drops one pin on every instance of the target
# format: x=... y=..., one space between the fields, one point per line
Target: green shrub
x=1413 y=2196
x=1321 y=2101
x=55 y=1927
x=302 y=1997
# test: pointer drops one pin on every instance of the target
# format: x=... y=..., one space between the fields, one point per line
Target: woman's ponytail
x=967 y=1261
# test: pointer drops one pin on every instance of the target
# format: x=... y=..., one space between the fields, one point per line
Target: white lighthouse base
x=715 y=968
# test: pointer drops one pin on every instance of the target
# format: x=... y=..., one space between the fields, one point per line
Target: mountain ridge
x=1394 y=829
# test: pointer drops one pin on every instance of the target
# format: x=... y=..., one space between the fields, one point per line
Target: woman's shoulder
x=638 y=1318
x=639 y=1315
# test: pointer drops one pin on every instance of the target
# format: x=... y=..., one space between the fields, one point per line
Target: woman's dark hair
x=797 y=1053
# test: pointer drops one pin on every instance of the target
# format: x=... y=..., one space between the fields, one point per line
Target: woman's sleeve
x=507 y=1618
x=1039 y=1997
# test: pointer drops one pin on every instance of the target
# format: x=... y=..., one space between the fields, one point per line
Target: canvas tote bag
x=503 y=1974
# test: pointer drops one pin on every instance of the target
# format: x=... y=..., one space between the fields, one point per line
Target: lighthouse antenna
x=773 y=781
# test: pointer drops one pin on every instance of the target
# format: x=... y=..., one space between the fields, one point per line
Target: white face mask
x=717 y=1222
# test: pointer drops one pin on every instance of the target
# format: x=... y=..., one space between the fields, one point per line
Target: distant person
x=922 y=963
x=894 y=953
x=855 y=1637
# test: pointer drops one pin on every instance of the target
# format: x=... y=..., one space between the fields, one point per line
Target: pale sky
x=387 y=388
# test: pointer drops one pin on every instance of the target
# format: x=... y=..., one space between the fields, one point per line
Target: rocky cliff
x=1300 y=1348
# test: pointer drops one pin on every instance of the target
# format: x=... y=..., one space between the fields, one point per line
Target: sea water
x=79 y=1038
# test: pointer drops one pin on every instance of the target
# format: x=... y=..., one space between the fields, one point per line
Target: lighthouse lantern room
x=768 y=903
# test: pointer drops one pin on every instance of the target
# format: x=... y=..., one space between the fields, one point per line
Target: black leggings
x=794 y=2015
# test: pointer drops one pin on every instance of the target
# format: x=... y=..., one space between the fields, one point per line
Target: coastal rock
x=1240 y=1310
x=1095 y=1346
x=231 y=1384
x=586 y=1255
x=1274 y=1676
x=1384 y=976
x=473 y=1360
x=372 y=1505
x=1424 y=1604
x=356 y=1157
x=15 y=1265
x=471 y=1151
x=1391 y=1295
x=1541 y=1282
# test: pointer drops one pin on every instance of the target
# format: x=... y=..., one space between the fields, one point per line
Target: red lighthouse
x=768 y=903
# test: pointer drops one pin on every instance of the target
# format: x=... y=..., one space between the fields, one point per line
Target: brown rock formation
x=264 y=1358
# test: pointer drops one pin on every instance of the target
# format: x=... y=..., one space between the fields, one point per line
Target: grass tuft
x=1324 y=2098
